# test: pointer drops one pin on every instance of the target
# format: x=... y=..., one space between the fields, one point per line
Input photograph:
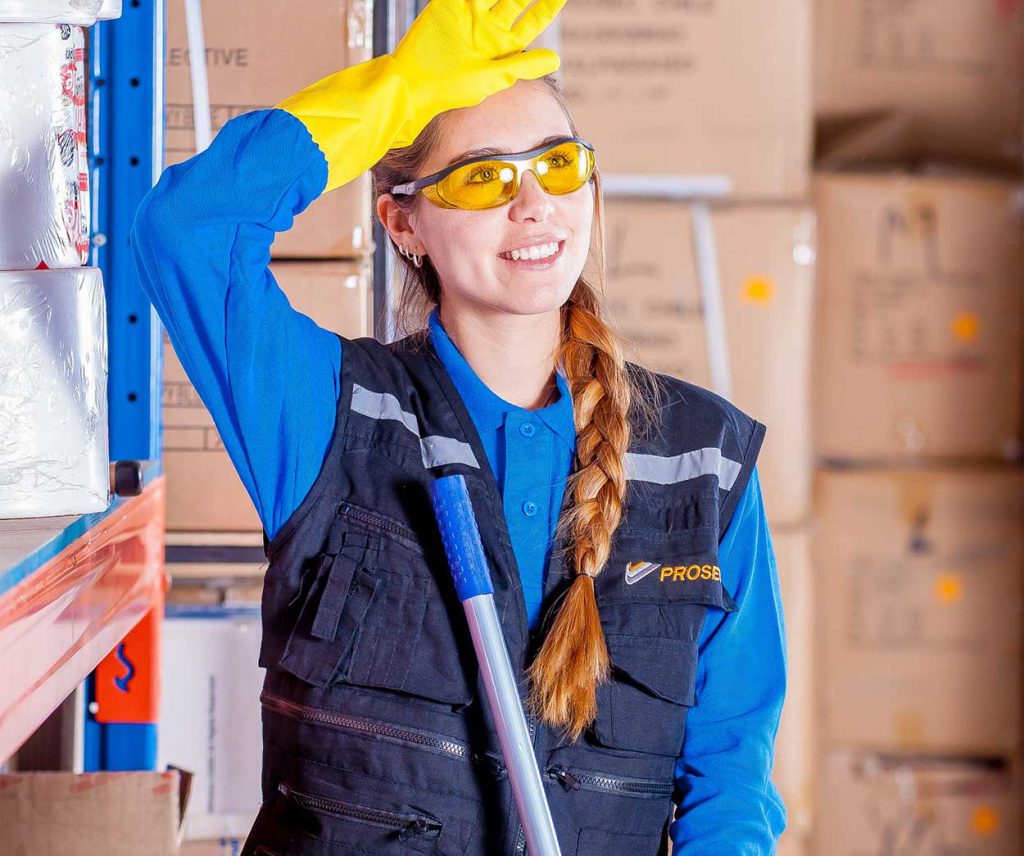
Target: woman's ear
x=396 y=220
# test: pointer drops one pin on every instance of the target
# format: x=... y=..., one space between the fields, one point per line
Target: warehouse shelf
x=85 y=592
x=71 y=588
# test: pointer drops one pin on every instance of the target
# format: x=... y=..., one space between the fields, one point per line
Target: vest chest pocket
x=653 y=597
x=368 y=625
x=643 y=707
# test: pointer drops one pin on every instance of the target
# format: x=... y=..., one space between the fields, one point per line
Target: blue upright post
x=126 y=150
x=126 y=123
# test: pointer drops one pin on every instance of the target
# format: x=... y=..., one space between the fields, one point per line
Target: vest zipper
x=407 y=824
x=573 y=780
x=346 y=722
x=370 y=519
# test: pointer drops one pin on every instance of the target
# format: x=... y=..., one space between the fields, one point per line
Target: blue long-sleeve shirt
x=270 y=377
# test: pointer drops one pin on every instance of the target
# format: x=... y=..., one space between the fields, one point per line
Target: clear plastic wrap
x=109 y=10
x=80 y=12
x=54 y=456
x=44 y=170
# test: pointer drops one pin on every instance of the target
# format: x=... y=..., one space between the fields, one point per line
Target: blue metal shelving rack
x=127 y=107
x=127 y=144
x=70 y=587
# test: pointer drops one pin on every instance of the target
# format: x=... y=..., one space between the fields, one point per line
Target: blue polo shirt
x=270 y=377
x=530 y=452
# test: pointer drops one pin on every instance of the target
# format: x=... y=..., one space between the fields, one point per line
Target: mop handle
x=465 y=552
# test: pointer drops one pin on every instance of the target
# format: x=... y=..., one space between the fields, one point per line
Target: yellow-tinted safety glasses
x=491 y=181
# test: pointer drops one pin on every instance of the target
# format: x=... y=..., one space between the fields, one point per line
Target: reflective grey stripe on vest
x=678 y=468
x=435 y=450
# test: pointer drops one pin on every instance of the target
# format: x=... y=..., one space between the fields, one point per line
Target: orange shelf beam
x=61 y=619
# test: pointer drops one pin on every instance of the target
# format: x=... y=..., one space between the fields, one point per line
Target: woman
x=620 y=511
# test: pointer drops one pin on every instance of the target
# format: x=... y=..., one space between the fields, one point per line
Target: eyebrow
x=490 y=150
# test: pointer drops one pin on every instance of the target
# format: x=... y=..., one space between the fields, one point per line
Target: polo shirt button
x=529 y=508
x=527 y=429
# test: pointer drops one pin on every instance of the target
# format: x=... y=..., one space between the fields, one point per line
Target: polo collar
x=488 y=409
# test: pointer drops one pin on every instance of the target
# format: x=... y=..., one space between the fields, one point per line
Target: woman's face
x=465 y=247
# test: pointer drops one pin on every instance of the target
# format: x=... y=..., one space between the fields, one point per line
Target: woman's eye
x=481 y=175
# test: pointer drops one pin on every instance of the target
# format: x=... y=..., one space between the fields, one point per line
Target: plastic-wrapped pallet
x=44 y=170
x=54 y=456
x=80 y=12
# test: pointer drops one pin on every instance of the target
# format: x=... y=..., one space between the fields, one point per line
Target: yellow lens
x=478 y=185
x=564 y=168
x=488 y=184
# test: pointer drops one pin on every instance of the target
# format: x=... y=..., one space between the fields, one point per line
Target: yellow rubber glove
x=455 y=54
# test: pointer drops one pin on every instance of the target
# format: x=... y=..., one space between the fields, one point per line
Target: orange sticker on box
x=949 y=588
x=985 y=821
x=759 y=289
x=966 y=326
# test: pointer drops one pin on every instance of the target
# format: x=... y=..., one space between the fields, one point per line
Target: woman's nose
x=532 y=199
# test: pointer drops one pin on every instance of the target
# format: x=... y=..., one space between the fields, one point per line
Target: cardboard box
x=796 y=745
x=919 y=318
x=84 y=814
x=952 y=69
x=204 y=491
x=919 y=610
x=917 y=806
x=258 y=55
x=765 y=256
x=703 y=87
x=210 y=716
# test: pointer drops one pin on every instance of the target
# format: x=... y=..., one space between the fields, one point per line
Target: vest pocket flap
x=643 y=707
x=337 y=603
x=409 y=643
x=665 y=667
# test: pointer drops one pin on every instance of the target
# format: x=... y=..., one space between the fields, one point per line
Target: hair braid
x=573 y=660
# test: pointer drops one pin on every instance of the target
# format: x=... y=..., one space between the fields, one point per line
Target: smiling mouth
x=537 y=264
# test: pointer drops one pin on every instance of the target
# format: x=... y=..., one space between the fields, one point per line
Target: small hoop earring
x=416 y=259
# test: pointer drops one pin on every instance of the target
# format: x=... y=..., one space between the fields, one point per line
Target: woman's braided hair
x=612 y=402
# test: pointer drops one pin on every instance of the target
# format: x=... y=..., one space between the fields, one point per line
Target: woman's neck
x=514 y=355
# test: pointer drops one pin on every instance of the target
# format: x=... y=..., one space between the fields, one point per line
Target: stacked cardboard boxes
x=920 y=79
x=690 y=88
x=919 y=321
x=718 y=89
x=917 y=406
x=255 y=57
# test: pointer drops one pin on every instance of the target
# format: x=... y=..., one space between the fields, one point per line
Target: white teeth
x=533 y=253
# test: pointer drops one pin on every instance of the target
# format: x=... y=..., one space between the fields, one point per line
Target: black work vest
x=377 y=735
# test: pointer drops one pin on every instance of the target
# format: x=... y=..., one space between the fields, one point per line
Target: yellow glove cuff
x=355 y=115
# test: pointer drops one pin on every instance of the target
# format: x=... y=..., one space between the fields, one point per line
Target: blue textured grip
x=461 y=536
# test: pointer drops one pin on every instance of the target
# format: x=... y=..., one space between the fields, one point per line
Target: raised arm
x=267 y=373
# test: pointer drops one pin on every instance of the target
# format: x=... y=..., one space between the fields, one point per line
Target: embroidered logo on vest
x=636 y=571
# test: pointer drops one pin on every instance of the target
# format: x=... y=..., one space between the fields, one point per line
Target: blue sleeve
x=728 y=805
x=268 y=374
